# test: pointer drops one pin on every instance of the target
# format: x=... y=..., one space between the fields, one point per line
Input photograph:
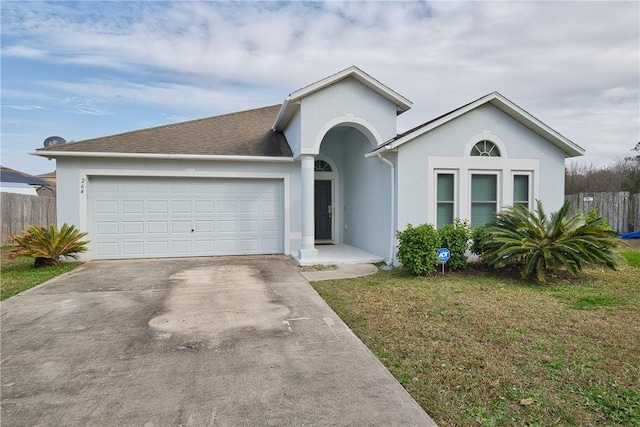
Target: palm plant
x=541 y=244
x=48 y=245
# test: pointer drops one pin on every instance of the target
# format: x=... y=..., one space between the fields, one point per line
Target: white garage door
x=134 y=217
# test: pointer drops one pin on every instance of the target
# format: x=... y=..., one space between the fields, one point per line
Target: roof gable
x=246 y=133
x=291 y=102
x=570 y=148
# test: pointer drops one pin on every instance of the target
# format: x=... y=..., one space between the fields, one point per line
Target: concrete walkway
x=237 y=341
x=342 y=271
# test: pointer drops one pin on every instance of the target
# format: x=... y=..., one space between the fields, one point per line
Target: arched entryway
x=353 y=198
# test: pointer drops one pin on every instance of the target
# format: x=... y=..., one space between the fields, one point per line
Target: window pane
x=445 y=214
x=484 y=188
x=445 y=187
x=521 y=189
x=484 y=198
x=485 y=148
x=481 y=213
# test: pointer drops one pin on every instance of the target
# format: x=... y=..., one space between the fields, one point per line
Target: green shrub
x=478 y=234
x=592 y=216
x=541 y=245
x=418 y=248
x=455 y=237
x=48 y=245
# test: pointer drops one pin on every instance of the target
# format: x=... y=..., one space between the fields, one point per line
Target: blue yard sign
x=443 y=256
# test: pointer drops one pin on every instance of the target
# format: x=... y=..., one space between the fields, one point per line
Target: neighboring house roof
x=570 y=148
x=50 y=177
x=290 y=104
x=8 y=176
x=244 y=134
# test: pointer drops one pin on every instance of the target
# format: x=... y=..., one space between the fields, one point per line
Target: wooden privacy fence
x=19 y=211
x=621 y=209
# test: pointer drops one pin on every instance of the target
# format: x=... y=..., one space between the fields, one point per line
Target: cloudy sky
x=86 y=69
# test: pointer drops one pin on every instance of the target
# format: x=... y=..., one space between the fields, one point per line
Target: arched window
x=322 y=166
x=485 y=148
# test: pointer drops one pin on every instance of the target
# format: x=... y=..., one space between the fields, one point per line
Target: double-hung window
x=446 y=200
x=521 y=190
x=484 y=198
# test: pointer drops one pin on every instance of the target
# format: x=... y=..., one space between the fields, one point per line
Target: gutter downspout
x=392 y=247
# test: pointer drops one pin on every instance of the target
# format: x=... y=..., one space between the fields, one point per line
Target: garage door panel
x=227 y=207
x=132 y=187
x=181 y=207
x=132 y=227
x=133 y=248
x=104 y=228
x=181 y=247
x=107 y=207
x=205 y=227
x=107 y=249
x=205 y=247
x=157 y=227
x=180 y=227
x=160 y=247
x=204 y=207
x=228 y=226
x=158 y=207
x=132 y=207
x=159 y=217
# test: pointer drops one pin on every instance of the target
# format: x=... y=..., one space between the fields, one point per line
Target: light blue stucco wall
x=70 y=171
x=293 y=133
x=346 y=101
x=364 y=192
x=418 y=158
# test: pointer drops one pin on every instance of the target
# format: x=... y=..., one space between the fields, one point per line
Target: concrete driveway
x=235 y=341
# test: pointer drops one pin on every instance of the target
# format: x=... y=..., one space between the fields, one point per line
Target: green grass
x=631 y=252
x=633 y=258
x=18 y=275
x=470 y=346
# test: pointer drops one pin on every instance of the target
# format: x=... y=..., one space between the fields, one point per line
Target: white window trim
x=434 y=193
x=500 y=194
x=532 y=195
x=464 y=166
x=485 y=135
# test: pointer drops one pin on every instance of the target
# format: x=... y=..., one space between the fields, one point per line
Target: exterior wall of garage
x=74 y=175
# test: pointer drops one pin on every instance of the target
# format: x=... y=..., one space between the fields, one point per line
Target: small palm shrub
x=542 y=244
x=455 y=237
x=418 y=248
x=48 y=245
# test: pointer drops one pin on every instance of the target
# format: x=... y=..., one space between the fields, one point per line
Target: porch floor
x=341 y=253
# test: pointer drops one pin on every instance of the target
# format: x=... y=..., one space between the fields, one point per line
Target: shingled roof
x=246 y=133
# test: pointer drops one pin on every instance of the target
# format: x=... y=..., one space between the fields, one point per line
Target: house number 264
x=82 y=185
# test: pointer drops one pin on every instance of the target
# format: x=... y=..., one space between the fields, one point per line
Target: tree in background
x=622 y=175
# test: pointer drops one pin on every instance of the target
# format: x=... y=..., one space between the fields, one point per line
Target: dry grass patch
x=471 y=347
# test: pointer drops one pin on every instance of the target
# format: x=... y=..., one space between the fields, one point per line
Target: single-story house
x=326 y=167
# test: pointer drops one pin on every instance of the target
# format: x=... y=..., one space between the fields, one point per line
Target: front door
x=322 y=203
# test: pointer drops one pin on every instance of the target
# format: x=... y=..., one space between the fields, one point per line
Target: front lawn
x=18 y=274
x=474 y=348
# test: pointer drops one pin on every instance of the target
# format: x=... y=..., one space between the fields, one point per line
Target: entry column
x=307 y=253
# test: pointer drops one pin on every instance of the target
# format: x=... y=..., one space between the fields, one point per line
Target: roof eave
x=570 y=148
x=162 y=156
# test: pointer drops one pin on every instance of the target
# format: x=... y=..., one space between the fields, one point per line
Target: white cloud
x=574 y=65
